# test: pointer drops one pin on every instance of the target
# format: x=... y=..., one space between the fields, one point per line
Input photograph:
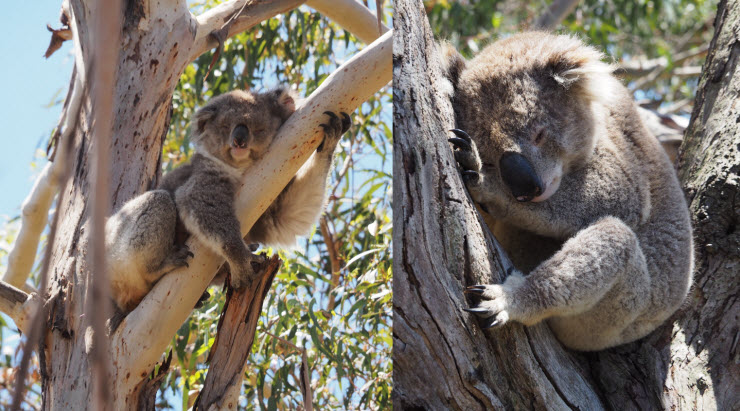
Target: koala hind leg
x=590 y=291
x=140 y=241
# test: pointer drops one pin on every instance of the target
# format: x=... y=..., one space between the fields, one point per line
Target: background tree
x=441 y=245
x=330 y=303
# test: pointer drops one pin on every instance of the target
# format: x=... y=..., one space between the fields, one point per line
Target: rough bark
x=705 y=354
x=442 y=360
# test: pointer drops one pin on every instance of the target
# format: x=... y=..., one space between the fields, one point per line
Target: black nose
x=519 y=175
x=240 y=136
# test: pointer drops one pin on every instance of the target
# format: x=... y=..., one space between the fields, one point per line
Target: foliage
x=628 y=31
x=338 y=310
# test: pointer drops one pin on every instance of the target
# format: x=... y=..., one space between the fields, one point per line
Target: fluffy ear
x=453 y=62
x=284 y=101
x=202 y=117
x=580 y=68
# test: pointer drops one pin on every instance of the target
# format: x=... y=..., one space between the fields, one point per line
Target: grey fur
x=610 y=251
x=230 y=132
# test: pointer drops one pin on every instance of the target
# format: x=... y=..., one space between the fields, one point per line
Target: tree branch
x=352 y=16
x=236 y=329
x=637 y=67
x=146 y=331
x=555 y=14
x=35 y=208
x=18 y=305
x=214 y=19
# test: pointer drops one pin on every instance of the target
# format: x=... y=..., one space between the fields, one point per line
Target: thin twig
x=305 y=372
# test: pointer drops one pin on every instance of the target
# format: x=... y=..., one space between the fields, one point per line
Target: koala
x=145 y=239
x=582 y=197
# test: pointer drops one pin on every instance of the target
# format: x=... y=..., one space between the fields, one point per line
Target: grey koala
x=145 y=239
x=584 y=199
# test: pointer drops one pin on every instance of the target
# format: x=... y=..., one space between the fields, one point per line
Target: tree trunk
x=442 y=359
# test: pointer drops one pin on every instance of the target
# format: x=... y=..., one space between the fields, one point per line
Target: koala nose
x=240 y=136
x=519 y=175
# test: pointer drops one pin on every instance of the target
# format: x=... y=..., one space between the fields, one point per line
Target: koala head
x=238 y=126
x=530 y=102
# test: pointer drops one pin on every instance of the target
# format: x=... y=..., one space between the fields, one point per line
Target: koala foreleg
x=594 y=287
x=300 y=204
x=206 y=207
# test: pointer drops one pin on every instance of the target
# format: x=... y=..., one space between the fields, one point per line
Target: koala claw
x=495 y=309
x=459 y=142
x=346 y=122
x=180 y=257
x=334 y=130
x=476 y=311
x=466 y=155
x=475 y=289
x=496 y=321
x=331 y=114
x=463 y=135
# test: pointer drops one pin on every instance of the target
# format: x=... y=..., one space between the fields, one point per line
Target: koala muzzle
x=240 y=136
x=519 y=175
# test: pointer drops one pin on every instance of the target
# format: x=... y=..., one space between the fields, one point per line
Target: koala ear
x=453 y=62
x=202 y=117
x=579 y=68
x=284 y=101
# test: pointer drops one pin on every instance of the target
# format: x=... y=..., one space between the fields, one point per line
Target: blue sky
x=31 y=82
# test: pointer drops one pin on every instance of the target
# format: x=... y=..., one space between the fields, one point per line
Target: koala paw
x=246 y=272
x=466 y=155
x=334 y=130
x=495 y=307
x=180 y=257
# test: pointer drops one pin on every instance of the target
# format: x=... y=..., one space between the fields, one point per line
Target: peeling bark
x=230 y=350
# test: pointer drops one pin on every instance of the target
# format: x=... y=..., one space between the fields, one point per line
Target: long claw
x=477 y=311
x=330 y=114
x=470 y=173
x=491 y=323
x=459 y=142
x=461 y=134
x=478 y=291
x=346 y=122
x=190 y=254
x=477 y=286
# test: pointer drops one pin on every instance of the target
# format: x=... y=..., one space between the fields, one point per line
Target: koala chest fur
x=145 y=238
x=583 y=197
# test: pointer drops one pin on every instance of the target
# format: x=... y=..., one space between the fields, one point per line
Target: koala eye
x=539 y=138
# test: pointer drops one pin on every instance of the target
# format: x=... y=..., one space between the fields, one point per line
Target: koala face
x=528 y=103
x=237 y=127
